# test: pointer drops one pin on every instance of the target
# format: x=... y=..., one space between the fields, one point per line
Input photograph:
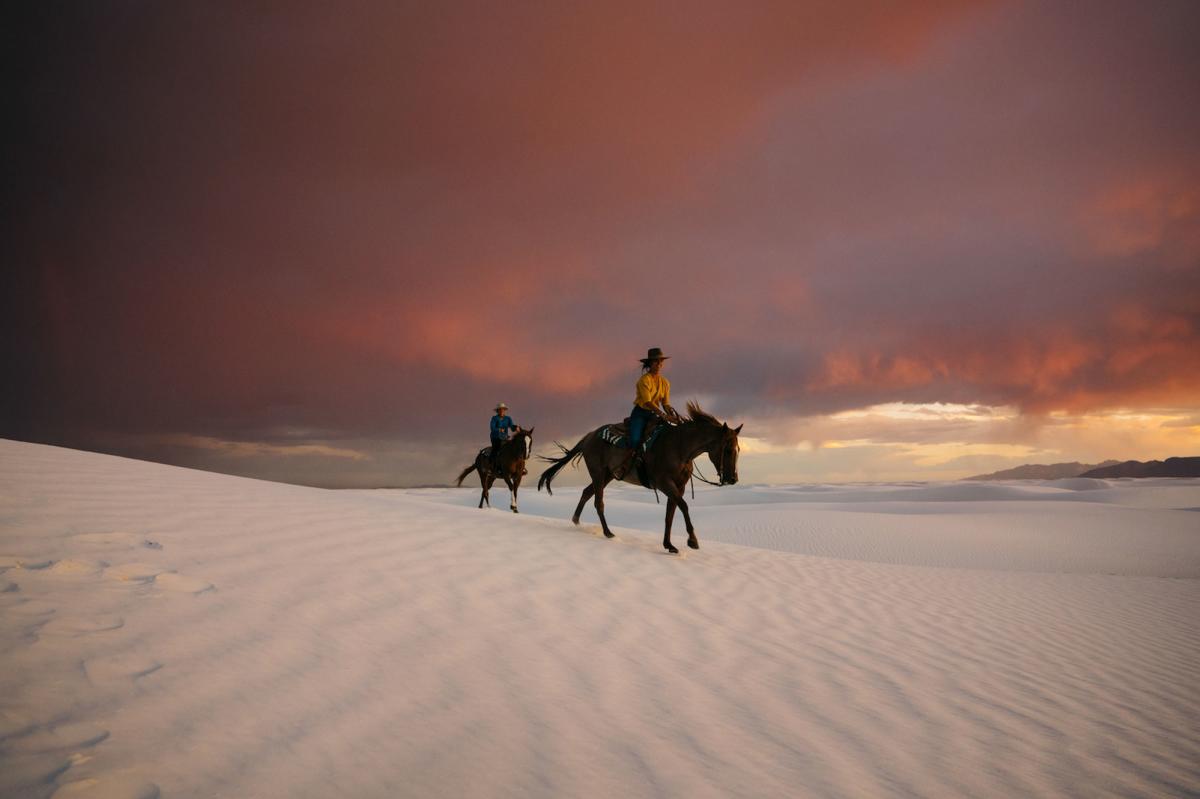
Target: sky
x=317 y=243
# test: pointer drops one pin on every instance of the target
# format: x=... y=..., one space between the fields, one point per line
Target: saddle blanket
x=617 y=434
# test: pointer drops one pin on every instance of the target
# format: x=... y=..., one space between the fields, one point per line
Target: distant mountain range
x=1041 y=471
x=1171 y=467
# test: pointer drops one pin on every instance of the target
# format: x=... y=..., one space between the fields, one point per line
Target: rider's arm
x=670 y=413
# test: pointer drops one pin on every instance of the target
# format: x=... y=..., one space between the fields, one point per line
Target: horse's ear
x=529 y=431
x=725 y=425
x=738 y=429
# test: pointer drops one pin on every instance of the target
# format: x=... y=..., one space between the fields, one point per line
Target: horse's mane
x=700 y=416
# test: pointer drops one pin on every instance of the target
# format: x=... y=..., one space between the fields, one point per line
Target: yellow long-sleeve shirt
x=652 y=390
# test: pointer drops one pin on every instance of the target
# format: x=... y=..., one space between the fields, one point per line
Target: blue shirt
x=501 y=426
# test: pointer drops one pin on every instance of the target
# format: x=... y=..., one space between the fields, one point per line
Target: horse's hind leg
x=667 y=545
x=587 y=494
x=487 y=485
x=598 y=488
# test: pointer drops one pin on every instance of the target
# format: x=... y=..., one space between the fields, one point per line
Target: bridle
x=720 y=464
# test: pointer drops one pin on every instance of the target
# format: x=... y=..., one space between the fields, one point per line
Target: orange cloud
x=1157 y=213
x=246 y=449
x=1138 y=356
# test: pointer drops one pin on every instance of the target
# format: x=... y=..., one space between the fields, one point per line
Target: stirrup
x=626 y=466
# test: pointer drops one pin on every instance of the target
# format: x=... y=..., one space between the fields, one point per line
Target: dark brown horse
x=668 y=465
x=513 y=454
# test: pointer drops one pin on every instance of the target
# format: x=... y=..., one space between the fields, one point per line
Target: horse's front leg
x=514 y=483
x=693 y=542
x=676 y=495
x=667 y=528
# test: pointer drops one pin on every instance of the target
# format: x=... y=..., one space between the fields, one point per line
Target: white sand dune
x=185 y=634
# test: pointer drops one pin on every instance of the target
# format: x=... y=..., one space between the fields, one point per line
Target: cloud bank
x=237 y=222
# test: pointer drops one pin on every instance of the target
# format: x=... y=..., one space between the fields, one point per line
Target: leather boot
x=625 y=465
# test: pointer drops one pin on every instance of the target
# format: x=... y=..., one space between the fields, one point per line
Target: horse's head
x=724 y=454
x=525 y=437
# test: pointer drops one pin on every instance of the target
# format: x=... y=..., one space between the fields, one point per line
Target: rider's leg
x=637 y=427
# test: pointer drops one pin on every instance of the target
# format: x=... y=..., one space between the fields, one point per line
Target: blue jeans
x=637 y=425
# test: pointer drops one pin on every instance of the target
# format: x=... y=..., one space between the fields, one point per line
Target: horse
x=668 y=465
x=513 y=454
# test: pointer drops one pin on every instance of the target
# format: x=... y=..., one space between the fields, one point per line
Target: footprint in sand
x=13 y=723
x=75 y=626
x=60 y=737
x=120 y=668
x=107 y=539
x=30 y=608
x=109 y=786
x=20 y=621
x=114 y=540
x=73 y=567
x=21 y=562
x=7 y=586
x=133 y=572
x=173 y=581
x=29 y=775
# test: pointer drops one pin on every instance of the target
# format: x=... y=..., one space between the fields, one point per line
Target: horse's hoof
x=694 y=544
x=575 y=521
x=672 y=550
x=514 y=510
x=607 y=534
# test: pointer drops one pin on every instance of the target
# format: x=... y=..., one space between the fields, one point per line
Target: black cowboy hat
x=654 y=354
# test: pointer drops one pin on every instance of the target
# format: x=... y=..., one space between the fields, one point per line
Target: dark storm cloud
x=249 y=221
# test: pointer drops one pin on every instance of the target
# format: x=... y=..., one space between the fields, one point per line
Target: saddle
x=617 y=435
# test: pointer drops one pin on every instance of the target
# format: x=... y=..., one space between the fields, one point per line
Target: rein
x=703 y=479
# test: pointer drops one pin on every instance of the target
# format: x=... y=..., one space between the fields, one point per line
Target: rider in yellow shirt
x=653 y=400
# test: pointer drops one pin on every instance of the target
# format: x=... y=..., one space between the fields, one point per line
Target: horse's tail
x=568 y=456
x=466 y=471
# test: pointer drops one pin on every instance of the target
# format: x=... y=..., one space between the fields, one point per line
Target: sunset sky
x=317 y=242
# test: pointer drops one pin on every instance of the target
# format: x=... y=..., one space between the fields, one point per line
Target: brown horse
x=513 y=454
x=668 y=465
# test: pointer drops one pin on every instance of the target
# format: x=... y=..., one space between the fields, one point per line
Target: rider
x=502 y=429
x=653 y=400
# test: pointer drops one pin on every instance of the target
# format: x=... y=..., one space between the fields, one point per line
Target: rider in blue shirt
x=502 y=428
